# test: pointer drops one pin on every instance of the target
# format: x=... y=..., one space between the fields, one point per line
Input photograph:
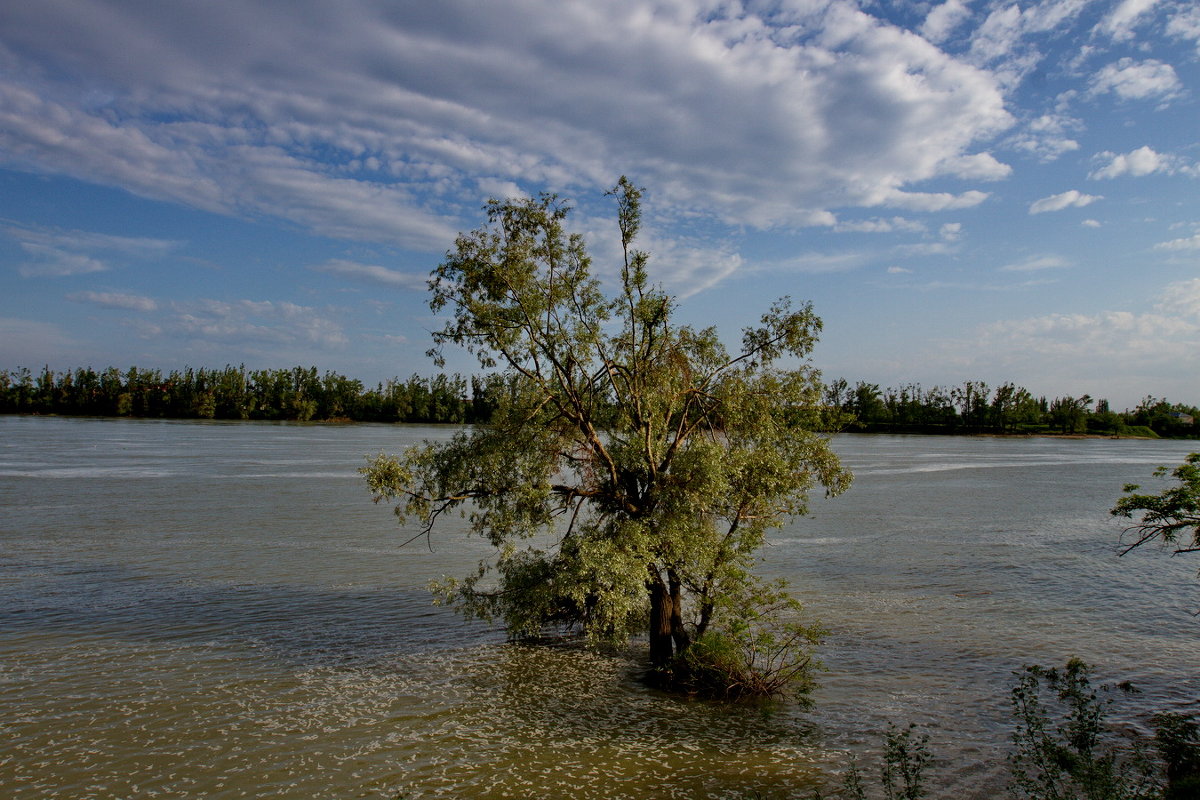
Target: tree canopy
x=633 y=468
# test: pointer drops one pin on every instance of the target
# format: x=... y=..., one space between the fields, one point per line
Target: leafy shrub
x=1178 y=741
x=1063 y=748
x=902 y=773
x=749 y=661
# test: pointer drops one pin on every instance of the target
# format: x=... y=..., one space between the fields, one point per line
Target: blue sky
x=996 y=191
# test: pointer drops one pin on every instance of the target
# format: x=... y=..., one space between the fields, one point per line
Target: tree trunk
x=678 y=631
x=661 y=645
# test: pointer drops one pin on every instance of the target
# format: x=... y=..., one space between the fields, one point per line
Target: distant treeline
x=1008 y=409
x=300 y=393
x=303 y=394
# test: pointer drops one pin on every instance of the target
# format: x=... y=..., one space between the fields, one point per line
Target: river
x=218 y=610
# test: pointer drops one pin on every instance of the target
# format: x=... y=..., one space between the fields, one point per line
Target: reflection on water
x=217 y=610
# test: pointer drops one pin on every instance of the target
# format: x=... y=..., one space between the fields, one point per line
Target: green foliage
x=905 y=759
x=1171 y=517
x=1008 y=409
x=302 y=394
x=633 y=466
x=1178 y=741
x=235 y=393
x=906 y=756
x=760 y=648
x=1063 y=749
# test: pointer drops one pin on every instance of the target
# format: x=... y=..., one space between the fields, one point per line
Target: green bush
x=1063 y=748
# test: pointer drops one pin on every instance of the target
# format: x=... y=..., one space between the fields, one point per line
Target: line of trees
x=973 y=407
x=300 y=393
x=303 y=394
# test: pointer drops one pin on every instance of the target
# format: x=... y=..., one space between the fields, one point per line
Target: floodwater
x=218 y=610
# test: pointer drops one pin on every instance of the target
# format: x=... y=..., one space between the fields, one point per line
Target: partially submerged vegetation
x=631 y=473
x=1064 y=748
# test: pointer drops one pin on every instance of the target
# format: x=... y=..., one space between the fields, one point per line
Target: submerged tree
x=633 y=466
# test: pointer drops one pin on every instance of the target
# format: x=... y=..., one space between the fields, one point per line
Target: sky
x=964 y=190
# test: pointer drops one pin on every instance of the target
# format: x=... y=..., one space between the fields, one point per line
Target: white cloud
x=128 y=302
x=1047 y=137
x=1091 y=223
x=1185 y=24
x=1057 y=202
x=1006 y=41
x=758 y=119
x=1190 y=243
x=819 y=263
x=943 y=19
x=1142 y=161
x=880 y=225
x=59 y=253
x=53 y=262
x=687 y=267
x=1037 y=264
x=243 y=322
x=1182 y=298
x=1122 y=334
x=932 y=201
x=373 y=273
x=950 y=231
x=1138 y=80
x=898 y=271
x=998 y=35
x=924 y=249
x=1108 y=354
x=1122 y=21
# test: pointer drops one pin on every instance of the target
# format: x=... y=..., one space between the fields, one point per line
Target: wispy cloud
x=820 y=263
x=1184 y=24
x=1182 y=298
x=932 y=201
x=1110 y=352
x=58 y=253
x=1057 y=202
x=1047 y=137
x=373 y=273
x=950 y=231
x=880 y=225
x=256 y=320
x=118 y=300
x=1037 y=264
x=1189 y=243
x=1121 y=23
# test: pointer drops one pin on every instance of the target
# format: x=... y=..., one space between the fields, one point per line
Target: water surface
x=217 y=610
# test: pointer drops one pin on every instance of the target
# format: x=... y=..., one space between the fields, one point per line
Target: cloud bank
x=369 y=120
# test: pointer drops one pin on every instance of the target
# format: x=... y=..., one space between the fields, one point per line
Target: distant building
x=1183 y=419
